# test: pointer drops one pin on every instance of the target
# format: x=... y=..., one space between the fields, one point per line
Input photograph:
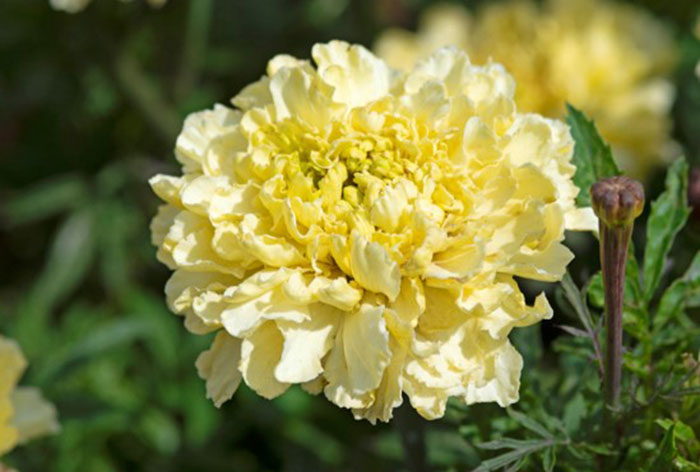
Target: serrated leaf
x=549 y=459
x=578 y=453
x=512 y=457
x=529 y=423
x=596 y=293
x=635 y=323
x=508 y=443
x=600 y=449
x=667 y=452
x=683 y=431
x=528 y=342
x=684 y=465
x=675 y=298
x=669 y=213
x=574 y=297
x=515 y=466
x=574 y=331
x=574 y=412
x=592 y=156
x=633 y=287
x=445 y=448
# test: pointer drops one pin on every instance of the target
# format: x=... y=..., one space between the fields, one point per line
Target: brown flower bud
x=618 y=200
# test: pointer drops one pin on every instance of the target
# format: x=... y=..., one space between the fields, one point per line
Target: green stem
x=196 y=36
x=147 y=98
x=411 y=429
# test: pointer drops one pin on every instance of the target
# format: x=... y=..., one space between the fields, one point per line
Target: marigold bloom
x=356 y=230
x=24 y=414
x=609 y=59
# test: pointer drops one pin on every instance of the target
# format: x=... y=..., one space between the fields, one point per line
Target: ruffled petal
x=372 y=267
x=305 y=344
x=358 y=359
x=357 y=76
x=218 y=366
x=260 y=354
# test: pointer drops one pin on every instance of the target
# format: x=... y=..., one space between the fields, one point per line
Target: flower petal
x=218 y=366
x=305 y=344
x=260 y=354
x=372 y=267
x=357 y=76
x=358 y=358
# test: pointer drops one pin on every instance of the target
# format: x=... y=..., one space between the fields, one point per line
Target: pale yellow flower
x=609 y=59
x=357 y=230
x=24 y=414
x=75 y=6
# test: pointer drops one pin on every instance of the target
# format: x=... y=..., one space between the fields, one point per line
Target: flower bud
x=618 y=200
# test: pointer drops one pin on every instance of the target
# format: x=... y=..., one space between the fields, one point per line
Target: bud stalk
x=617 y=201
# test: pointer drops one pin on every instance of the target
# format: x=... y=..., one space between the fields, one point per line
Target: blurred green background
x=90 y=106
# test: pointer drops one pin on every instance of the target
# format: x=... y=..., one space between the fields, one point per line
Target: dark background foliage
x=90 y=105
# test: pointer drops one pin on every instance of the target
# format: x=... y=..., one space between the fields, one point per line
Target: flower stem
x=617 y=201
x=614 y=243
x=411 y=429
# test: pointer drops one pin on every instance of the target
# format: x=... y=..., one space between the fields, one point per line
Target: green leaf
x=633 y=287
x=67 y=264
x=102 y=339
x=684 y=465
x=160 y=430
x=600 y=449
x=674 y=299
x=508 y=443
x=69 y=259
x=667 y=452
x=636 y=323
x=549 y=459
x=44 y=199
x=574 y=412
x=683 y=431
x=164 y=341
x=529 y=423
x=574 y=297
x=596 y=292
x=592 y=156
x=513 y=456
x=668 y=215
x=528 y=342
x=117 y=224
x=310 y=436
x=444 y=448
